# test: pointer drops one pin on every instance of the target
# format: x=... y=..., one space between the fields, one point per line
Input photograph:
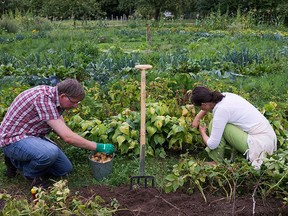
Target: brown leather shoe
x=11 y=170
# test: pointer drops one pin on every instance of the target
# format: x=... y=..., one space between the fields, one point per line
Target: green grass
x=123 y=168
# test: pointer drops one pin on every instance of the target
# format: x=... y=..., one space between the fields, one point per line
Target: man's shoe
x=38 y=182
x=11 y=170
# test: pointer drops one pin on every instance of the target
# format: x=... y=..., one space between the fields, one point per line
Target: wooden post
x=148 y=34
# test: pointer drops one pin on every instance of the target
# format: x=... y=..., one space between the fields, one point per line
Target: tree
x=78 y=10
x=154 y=8
x=127 y=6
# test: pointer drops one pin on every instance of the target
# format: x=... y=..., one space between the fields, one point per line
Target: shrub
x=9 y=25
x=42 y=24
x=35 y=23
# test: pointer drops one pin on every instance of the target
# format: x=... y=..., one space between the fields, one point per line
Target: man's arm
x=59 y=126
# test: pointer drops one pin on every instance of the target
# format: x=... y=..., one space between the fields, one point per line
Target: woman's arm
x=202 y=130
x=198 y=117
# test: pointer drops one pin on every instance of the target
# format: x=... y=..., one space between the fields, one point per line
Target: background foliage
x=265 y=11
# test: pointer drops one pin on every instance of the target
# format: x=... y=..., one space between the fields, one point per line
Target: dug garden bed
x=152 y=201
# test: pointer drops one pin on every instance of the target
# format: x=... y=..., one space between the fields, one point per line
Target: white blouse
x=236 y=110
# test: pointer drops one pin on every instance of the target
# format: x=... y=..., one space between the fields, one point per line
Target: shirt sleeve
x=219 y=122
x=46 y=108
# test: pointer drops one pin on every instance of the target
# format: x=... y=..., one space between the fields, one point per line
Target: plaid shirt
x=29 y=113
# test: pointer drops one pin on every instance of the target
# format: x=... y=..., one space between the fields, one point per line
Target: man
x=31 y=116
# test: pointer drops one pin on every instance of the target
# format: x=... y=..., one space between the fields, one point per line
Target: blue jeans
x=36 y=157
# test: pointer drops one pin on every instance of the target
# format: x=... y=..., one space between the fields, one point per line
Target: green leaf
x=160 y=152
x=167 y=120
x=120 y=140
x=175 y=129
x=86 y=125
x=151 y=111
x=150 y=151
x=172 y=141
x=202 y=179
x=104 y=138
x=151 y=130
x=171 y=177
x=159 y=139
x=184 y=111
x=77 y=119
x=277 y=124
x=188 y=138
x=162 y=110
x=102 y=129
x=158 y=124
x=175 y=185
x=132 y=144
x=168 y=188
x=191 y=162
x=134 y=134
x=125 y=129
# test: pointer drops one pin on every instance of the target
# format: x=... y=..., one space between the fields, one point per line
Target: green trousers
x=233 y=138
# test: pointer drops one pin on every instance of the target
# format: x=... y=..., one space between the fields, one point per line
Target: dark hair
x=72 y=88
x=202 y=94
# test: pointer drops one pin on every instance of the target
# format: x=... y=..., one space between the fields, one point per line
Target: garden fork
x=142 y=175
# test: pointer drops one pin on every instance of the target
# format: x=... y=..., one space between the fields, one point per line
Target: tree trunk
x=157 y=14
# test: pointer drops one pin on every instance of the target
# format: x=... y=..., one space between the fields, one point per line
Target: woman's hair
x=202 y=94
x=72 y=88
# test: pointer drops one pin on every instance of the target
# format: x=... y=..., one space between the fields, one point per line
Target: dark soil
x=151 y=201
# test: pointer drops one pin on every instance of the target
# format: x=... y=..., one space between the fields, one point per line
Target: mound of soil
x=151 y=201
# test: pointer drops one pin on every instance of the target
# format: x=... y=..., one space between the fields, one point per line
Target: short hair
x=72 y=88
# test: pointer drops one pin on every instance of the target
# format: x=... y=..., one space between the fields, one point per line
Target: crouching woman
x=236 y=123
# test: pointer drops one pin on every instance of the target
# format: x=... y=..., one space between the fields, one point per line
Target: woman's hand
x=195 y=123
x=198 y=118
x=202 y=129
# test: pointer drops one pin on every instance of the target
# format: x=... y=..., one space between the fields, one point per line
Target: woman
x=235 y=122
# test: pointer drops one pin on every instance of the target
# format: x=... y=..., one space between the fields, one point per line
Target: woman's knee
x=236 y=137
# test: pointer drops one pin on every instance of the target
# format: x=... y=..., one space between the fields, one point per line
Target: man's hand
x=105 y=147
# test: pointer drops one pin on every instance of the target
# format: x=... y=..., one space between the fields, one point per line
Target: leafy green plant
x=164 y=132
x=56 y=201
x=8 y=94
x=276 y=175
x=278 y=121
x=232 y=178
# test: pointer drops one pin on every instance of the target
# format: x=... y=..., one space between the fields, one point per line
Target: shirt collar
x=57 y=97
